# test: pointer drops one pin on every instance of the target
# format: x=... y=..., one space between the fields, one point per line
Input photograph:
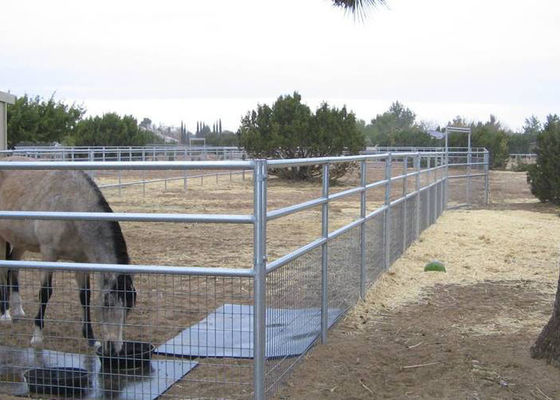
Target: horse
x=11 y=286
x=79 y=241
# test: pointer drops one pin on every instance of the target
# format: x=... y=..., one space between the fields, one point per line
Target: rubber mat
x=228 y=332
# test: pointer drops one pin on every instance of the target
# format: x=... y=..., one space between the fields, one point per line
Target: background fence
x=233 y=301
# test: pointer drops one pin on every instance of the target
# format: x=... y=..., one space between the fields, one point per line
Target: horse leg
x=44 y=296
x=5 y=316
x=84 y=283
x=17 y=309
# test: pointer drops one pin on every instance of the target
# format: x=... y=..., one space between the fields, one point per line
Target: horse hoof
x=37 y=339
x=6 y=318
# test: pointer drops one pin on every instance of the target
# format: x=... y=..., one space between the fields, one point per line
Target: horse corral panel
x=235 y=280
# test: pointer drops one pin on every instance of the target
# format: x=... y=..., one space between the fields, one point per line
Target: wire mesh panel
x=344 y=270
x=410 y=225
x=396 y=234
x=375 y=250
x=194 y=335
x=478 y=191
x=180 y=339
x=293 y=315
x=432 y=204
x=424 y=210
x=466 y=191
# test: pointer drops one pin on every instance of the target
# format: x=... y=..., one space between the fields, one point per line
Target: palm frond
x=356 y=6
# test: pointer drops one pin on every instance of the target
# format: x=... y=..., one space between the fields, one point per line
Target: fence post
x=446 y=185
x=405 y=190
x=363 y=230
x=442 y=183
x=486 y=177
x=325 y=257
x=428 y=189
x=387 y=235
x=259 y=281
x=436 y=190
x=417 y=167
x=469 y=172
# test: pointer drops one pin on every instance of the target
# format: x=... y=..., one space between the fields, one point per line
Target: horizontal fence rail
x=225 y=331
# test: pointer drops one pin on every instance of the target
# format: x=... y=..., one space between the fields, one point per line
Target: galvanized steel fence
x=236 y=332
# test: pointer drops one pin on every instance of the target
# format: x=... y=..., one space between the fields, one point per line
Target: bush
x=544 y=176
x=289 y=129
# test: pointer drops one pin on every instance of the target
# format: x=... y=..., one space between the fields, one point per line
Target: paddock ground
x=465 y=240
x=464 y=334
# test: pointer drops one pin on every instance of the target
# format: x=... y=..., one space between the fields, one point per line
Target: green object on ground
x=435 y=266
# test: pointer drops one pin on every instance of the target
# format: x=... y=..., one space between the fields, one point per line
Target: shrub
x=544 y=176
x=289 y=129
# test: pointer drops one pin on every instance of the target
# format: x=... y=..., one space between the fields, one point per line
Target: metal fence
x=129 y=153
x=236 y=329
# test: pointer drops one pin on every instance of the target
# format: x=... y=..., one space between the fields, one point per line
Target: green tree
x=35 y=120
x=490 y=135
x=289 y=129
x=524 y=142
x=397 y=127
x=544 y=176
x=111 y=130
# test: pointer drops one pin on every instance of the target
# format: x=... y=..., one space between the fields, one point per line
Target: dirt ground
x=463 y=334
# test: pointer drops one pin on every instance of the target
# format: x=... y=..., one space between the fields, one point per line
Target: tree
x=35 y=120
x=289 y=129
x=524 y=142
x=490 y=135
x=397 y=127
x=111 y=130
x=356 y=6
x=547 y=345
x=544 y=176
x=146 y=124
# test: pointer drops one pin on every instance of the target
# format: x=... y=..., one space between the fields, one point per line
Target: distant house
x=436 y=134
x=5 y=99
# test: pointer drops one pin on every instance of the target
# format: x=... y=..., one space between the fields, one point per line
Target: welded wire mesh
x=466 y=191
x=293 y=314
x=169 y=309
x=424 y=209
x=410 y=223
x=432 y=204
x=202 y=327
x=344 y=270
x=375 y=250
x=396 y=234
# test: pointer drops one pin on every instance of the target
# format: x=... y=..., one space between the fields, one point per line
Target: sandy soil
x=464 y=334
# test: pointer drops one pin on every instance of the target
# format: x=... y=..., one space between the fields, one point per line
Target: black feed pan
x=57 y=381
x=132 y=355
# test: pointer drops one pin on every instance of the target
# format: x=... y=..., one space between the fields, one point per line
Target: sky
x=186 y=60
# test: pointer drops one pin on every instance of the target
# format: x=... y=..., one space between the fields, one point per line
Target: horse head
x=118 y=297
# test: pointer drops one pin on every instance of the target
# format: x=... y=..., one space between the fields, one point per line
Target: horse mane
x=121 y=251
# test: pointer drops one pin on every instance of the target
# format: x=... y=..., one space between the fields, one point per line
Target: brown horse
x=80 y=241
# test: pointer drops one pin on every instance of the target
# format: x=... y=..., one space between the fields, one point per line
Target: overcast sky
x=203 y=60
